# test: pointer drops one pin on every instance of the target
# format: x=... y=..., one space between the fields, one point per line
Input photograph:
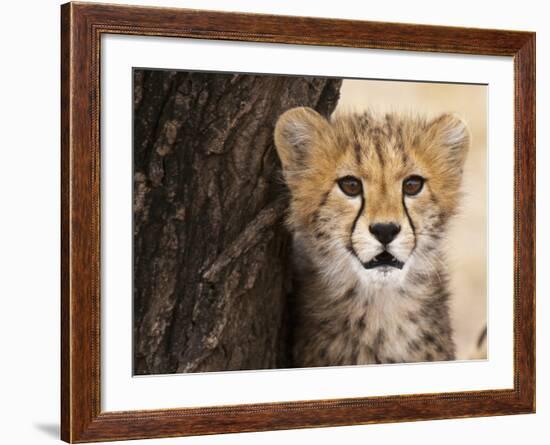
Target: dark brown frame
x=81 y=27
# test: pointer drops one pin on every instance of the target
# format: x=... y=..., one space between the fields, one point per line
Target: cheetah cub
x=371 y=197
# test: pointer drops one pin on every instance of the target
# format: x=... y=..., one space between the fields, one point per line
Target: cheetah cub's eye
x=350 y=185
x=412 y=185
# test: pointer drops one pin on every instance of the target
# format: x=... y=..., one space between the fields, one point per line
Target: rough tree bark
x=210 y=251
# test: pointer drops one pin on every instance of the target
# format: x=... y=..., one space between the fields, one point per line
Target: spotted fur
x=347 y=314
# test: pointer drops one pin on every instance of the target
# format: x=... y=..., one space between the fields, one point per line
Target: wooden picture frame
x=82 y=26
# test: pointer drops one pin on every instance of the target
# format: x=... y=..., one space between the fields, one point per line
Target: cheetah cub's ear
x=297 y=134
x=449 y=141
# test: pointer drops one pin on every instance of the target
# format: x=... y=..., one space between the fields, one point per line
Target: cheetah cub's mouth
x=383 y=259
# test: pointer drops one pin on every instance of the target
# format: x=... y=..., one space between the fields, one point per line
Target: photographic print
x=290 y=221
x=274 y=222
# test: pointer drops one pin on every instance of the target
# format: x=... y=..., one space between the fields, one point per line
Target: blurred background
x=467 y=240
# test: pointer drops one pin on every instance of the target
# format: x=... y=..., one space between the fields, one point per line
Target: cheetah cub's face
x=371 y=194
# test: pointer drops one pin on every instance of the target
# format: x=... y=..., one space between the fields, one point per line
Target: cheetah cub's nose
x=384 y=232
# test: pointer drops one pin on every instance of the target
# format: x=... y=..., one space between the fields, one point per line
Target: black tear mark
x=350 y=246
x=413 y=228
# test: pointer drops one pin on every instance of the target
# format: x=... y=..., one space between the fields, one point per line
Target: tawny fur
x=346 y=314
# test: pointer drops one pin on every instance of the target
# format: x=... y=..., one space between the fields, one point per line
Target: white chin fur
x=384 y=274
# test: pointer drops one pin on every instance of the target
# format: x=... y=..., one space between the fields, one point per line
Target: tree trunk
x=211 y=272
